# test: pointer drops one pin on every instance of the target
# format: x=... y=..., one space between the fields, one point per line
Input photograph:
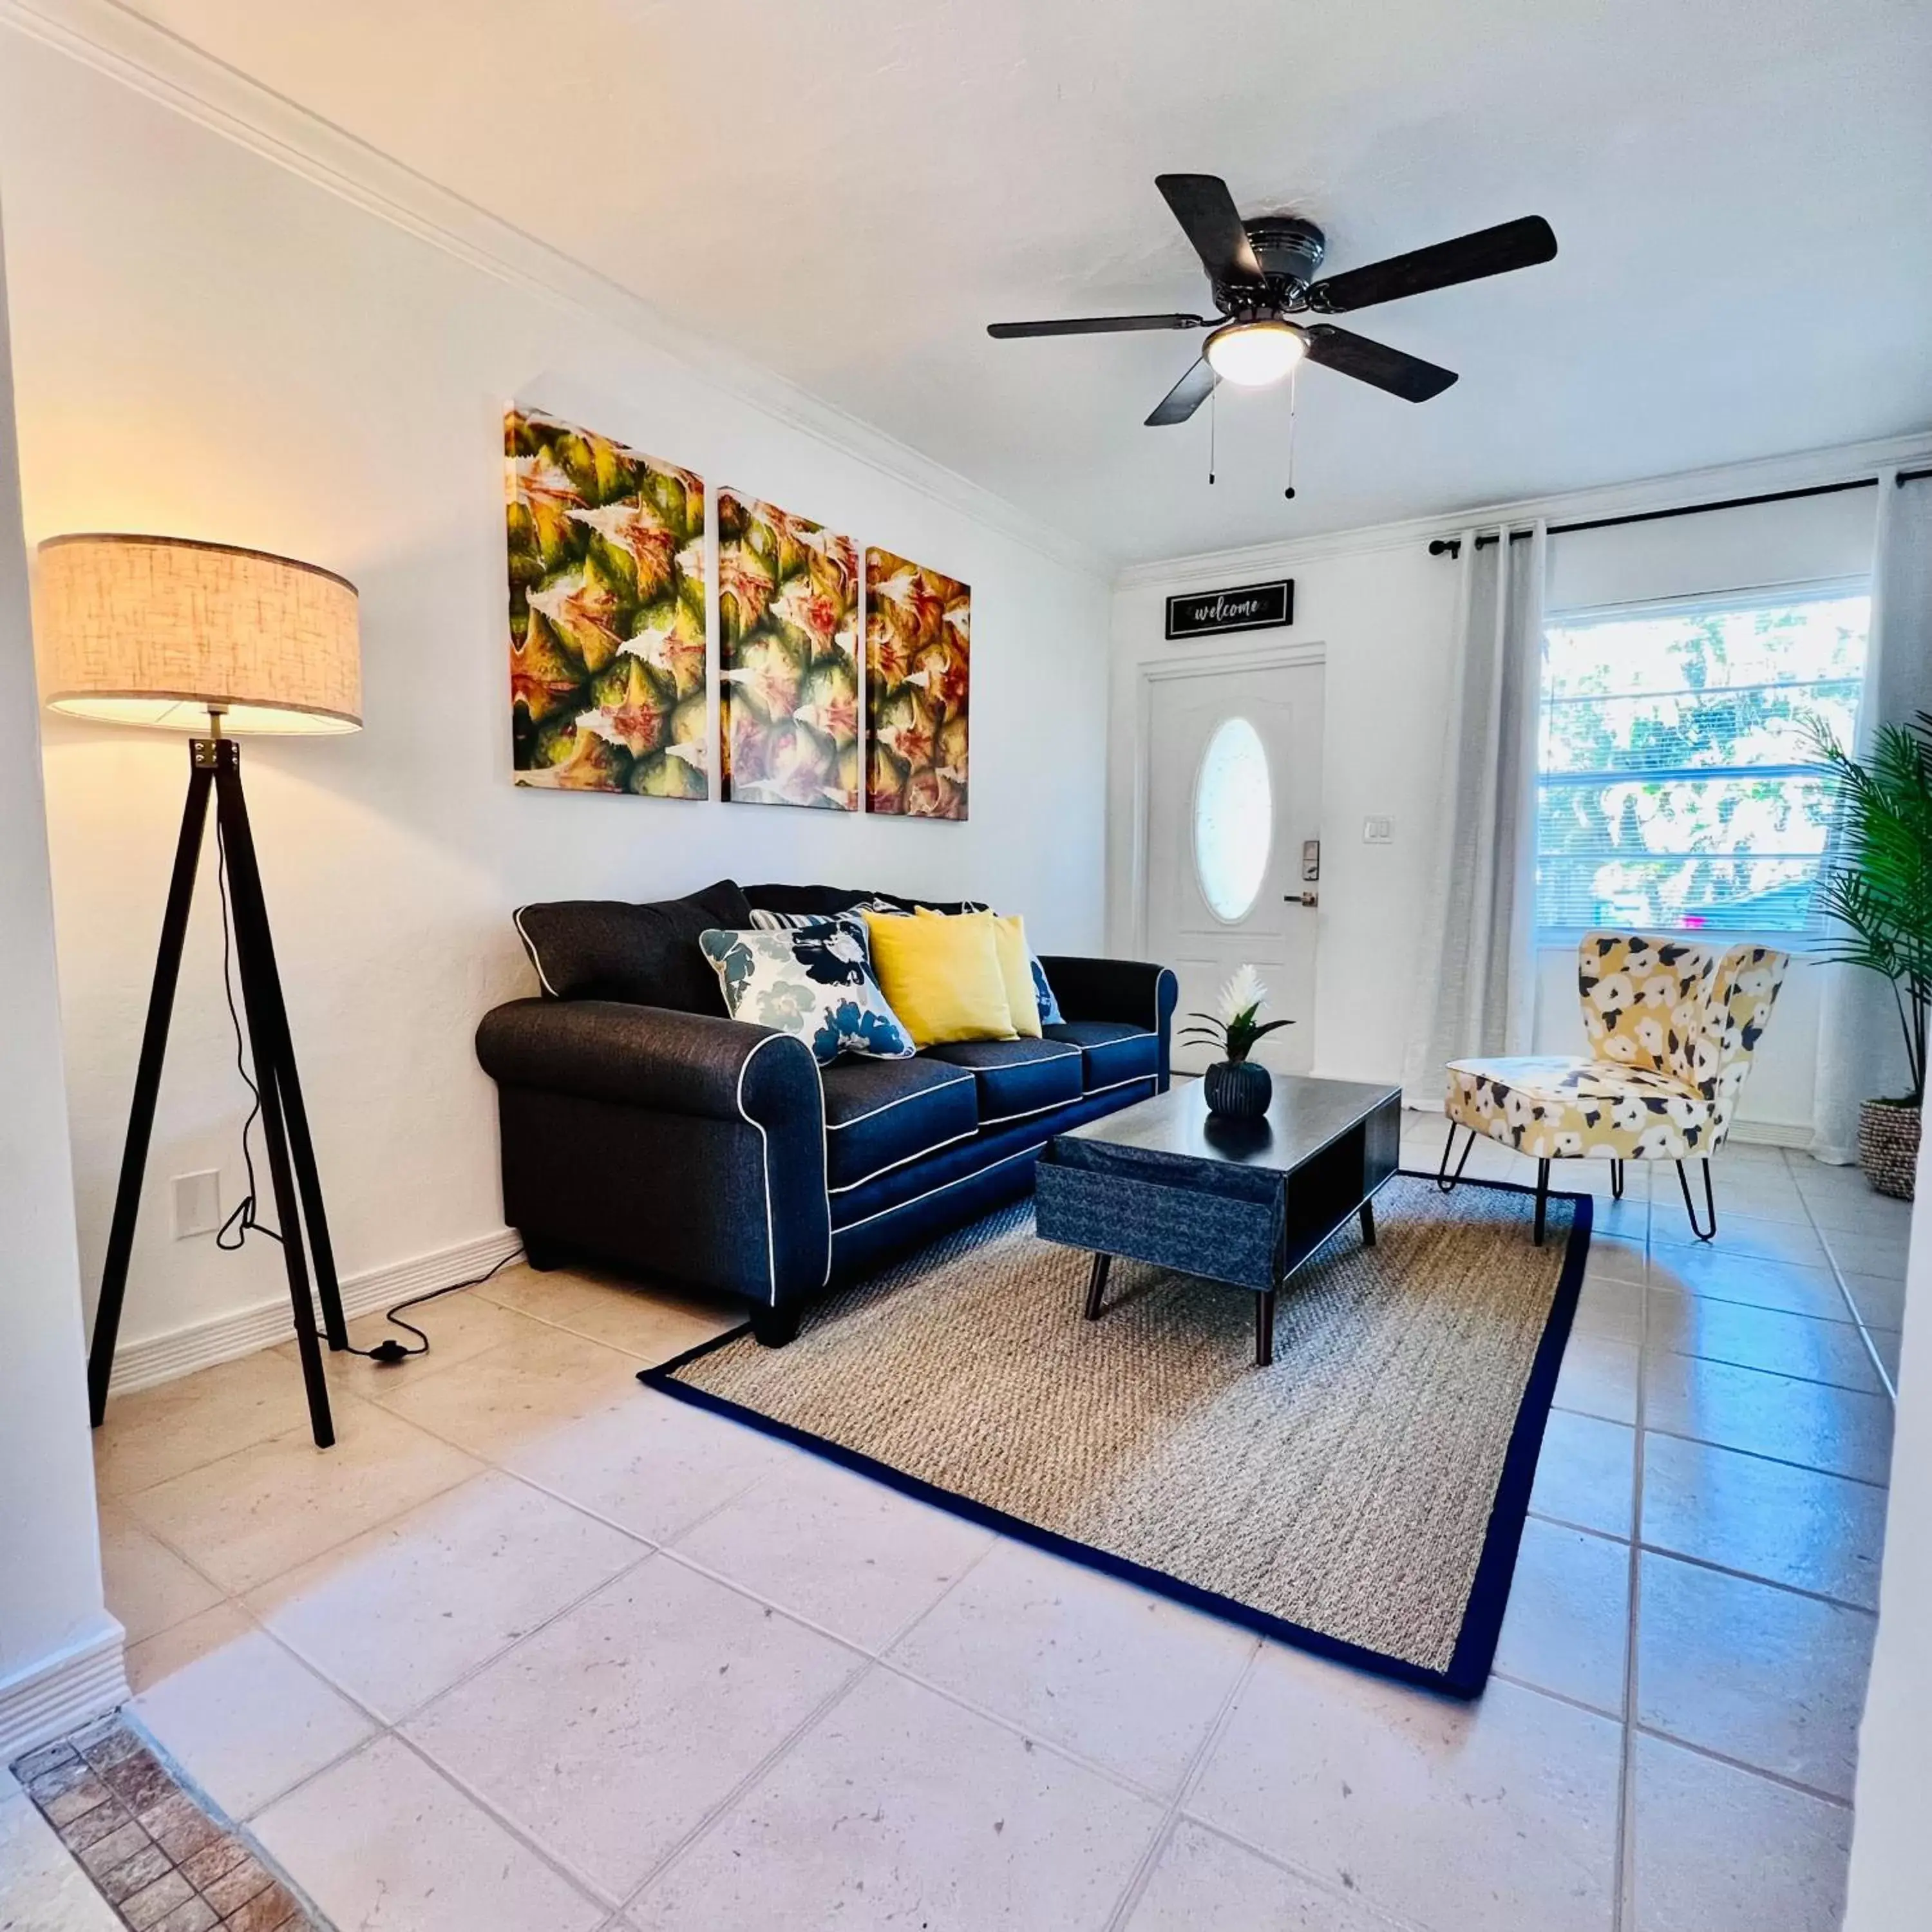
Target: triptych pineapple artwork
x=607 y=642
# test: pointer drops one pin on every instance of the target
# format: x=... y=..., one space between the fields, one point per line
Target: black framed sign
x=1248 y=606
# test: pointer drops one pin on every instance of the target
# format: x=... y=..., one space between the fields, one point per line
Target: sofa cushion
x=645 y=955
x=1111 y=1051
x=880 y=1114
x=1018 y=1078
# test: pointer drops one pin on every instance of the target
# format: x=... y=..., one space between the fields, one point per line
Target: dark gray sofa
x=643 y=1129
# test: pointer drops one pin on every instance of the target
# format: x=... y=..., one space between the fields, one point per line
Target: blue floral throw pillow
x=814 y=981
x=1043 y=992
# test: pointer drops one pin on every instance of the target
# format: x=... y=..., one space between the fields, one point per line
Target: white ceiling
x=848 y=193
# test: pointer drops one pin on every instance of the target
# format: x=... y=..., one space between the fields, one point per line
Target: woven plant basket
x=1888 y=1146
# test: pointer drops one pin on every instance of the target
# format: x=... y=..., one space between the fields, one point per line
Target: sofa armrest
x=1132 y=991
x=672 y=1143
x=650 y=1057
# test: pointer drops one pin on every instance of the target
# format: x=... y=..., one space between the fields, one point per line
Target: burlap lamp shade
x=158 y=631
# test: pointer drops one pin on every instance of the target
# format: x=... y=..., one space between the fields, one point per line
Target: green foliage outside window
x=1678 y=786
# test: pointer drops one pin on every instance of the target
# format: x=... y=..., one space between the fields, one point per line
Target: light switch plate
x=1378 y=831
x=197 y=1204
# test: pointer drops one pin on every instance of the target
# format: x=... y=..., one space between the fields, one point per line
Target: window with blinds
x=1674 y=791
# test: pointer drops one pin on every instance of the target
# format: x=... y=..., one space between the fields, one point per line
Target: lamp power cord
x=232 y=1235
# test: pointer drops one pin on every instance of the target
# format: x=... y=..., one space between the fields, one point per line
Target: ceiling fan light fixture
x=1254 y=354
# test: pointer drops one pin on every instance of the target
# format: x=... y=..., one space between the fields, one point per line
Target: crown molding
x=135 y=51
x=1802 y=470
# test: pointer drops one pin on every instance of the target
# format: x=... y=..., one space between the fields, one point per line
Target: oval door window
x=1234 y=819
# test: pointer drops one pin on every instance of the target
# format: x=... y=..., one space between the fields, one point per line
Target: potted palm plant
x=1877 y=887
x=1237 y=1088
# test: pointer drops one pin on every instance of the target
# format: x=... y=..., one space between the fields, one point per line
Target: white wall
x=1891 y=1850
x=1385 y=616
x=1385 y=610
x=59 y=1650
x=211 y=345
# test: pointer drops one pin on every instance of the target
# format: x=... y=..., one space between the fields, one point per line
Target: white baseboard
x=60 y=1693
x=200 y=1345
x=1771 y=1133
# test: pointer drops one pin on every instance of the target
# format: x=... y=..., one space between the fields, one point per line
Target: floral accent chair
x=1672 y=1026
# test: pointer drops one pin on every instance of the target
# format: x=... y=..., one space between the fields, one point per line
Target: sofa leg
x=542 y=1255
x=773 y=1327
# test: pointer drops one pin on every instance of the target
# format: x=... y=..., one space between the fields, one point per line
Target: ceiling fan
x=1262 y=271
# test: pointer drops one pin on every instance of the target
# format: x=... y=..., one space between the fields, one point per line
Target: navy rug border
x=1469 y=1664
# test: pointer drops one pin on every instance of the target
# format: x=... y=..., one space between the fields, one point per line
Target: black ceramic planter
x=1238 y=1090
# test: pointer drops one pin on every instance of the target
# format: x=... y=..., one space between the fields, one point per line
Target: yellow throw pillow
x=942 y=976
x=1015 y=966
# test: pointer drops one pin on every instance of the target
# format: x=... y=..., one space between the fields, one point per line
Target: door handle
x=1301 y=898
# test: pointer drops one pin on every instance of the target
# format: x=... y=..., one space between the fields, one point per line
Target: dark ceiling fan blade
x=1407 y=377
x=1203 y=206
x=1490 y=251
x=1092 y=325
x=1186 y=397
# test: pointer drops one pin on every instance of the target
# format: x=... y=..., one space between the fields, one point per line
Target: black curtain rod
x=1453 y=546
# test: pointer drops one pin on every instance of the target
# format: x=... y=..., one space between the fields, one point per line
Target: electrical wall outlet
x=197 y=1204
x=1378 y=831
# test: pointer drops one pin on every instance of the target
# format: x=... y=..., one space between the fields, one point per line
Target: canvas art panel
x=606 y=614
x=918 y=683
x=788 y=657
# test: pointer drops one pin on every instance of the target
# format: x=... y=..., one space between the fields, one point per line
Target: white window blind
x=1673 y=793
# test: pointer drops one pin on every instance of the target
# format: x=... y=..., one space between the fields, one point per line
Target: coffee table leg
x=1368 y=1224
x=1096 y=1286
x=1264 y=1328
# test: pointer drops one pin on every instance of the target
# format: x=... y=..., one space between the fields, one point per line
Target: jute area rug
x=1363 y=1497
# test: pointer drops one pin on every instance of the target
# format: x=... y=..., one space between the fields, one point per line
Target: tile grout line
x=745 y=1785
x=1780 y=1462
x=1397 y=1921
x=1751 y=1577
x=1857 y=1318
x=994 y=1541
x=1623 y=1891
x=382 y=1523
x=237 y=1598
x=1142 y=1874
x=511 y=1827
x=1758 y=1368
x=1782 y=1780
x=393 y=1729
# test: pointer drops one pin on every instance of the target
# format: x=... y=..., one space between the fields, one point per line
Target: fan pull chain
x=1213 y=421
x=1294 y=393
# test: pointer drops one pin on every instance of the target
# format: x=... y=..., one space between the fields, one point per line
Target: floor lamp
x=164 y=632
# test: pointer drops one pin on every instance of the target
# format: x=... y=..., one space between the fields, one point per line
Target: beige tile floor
x=534 y=1647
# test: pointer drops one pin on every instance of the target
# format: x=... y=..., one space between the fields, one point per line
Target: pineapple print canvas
x=788 y=622
x=918 y=682
x=606 y=614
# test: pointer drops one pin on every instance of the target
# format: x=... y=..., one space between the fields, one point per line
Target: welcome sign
x=1248 y=606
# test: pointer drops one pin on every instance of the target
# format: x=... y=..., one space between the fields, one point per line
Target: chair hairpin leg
x=1705 y=1233
x=1444 y=1180
x=1616 y=1181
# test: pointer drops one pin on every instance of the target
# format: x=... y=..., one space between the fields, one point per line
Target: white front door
x=1233 y=804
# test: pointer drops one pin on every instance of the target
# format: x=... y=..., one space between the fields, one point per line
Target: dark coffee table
x=1242 y=1201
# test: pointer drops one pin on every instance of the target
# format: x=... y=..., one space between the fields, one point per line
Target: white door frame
x=1164 y=672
